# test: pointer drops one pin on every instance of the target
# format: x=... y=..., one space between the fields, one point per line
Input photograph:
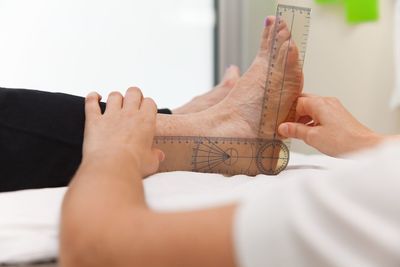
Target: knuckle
x=134 y=89
x=92 y=97
x=286 y=45
x=318 y=104
x=336 y=101
x=295 y=131
x=320 y=100
x=115 y=94
x=310 y=137
x=282 y=35
x=150 y=101
x=330 y=99
x=282 y=22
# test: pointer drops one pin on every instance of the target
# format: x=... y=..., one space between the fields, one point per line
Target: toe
x=232 y=74
x=282 y=53
x=293 y=54
x=283 y=33
x=275 y=28
x=288 y=54
x=267 y=35
x=288 y=63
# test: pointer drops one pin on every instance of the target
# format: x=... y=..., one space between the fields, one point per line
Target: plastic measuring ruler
x=267 y=154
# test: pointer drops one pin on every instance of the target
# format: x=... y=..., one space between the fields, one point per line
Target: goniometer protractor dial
x=228 y=156
x=272 y=157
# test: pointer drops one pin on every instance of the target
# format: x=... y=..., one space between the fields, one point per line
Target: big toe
x=289 y=65
x=288 y=55
x=283 y=33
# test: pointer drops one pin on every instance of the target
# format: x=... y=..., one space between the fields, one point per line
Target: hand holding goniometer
x=239 y=134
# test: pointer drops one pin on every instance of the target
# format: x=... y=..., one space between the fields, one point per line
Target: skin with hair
x=105 y=220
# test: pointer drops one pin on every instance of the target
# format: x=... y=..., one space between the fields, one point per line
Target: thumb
x=160 y=154
x=153 y=163
x=295 y=130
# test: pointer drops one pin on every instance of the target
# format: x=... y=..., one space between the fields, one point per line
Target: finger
x=133 y=99
x=153 y=165
x=114 y=102
x=309 y=106
x=308 y=95
x=160 y=154
x=149 y=107
x=295 y=130
x=92 y=107
x=305 y=120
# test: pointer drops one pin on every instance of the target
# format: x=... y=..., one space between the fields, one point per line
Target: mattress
x=29 y=219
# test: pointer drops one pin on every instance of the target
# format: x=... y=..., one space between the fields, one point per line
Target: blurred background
x=176 y=49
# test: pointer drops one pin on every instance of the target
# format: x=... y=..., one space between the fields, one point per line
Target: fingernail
x=284 y=129
x=267 y=21
x=93 y=94
x=162 y=156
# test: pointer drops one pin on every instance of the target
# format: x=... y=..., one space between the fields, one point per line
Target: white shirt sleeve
x=349 y=218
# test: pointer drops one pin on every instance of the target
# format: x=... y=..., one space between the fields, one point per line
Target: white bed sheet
x=29 y=219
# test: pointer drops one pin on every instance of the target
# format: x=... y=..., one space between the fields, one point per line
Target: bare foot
x=238 y=114
x=246 y=99
x=213 y=97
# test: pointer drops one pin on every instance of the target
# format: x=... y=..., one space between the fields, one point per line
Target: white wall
x=75 y=46
x=351 y=62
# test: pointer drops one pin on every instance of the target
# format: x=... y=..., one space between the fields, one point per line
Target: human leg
x=238 y=114
x=41 y=137
x=41 y=133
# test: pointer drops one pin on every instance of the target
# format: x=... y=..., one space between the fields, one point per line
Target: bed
x=29 y=221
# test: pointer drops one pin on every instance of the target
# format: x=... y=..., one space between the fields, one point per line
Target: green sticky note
x=362 y=10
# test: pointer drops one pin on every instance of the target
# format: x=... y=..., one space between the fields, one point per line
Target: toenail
x=267 y=21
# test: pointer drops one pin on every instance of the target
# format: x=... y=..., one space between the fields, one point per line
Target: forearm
x=101 y=193
x=377 y=139
x=393 y=138
x=105 y=222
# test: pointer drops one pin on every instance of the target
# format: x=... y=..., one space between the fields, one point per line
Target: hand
x=327 y=126
x=124 y=132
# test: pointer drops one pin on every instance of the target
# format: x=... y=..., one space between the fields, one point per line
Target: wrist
x=374 y=139
x=389 y=138
x=111 y=160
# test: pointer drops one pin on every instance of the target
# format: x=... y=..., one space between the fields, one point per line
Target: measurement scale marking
x=249 y=156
